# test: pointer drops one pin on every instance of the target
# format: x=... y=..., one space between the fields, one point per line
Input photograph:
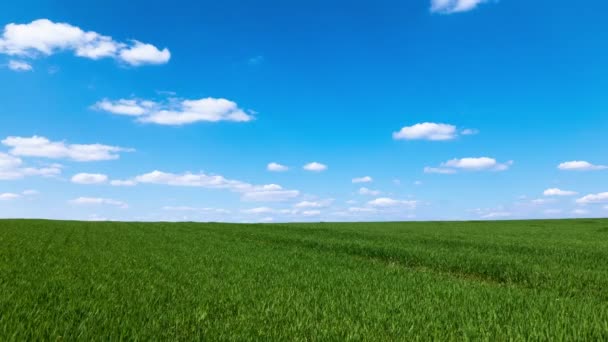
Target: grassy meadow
x=494 y=281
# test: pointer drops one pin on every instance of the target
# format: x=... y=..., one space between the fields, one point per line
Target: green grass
x=520 y=280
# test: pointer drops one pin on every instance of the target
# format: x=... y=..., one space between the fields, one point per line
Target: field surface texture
x=495 y=281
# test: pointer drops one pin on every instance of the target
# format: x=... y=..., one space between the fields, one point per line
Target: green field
x=518 y=280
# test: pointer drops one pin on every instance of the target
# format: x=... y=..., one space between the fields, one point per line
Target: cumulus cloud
x=579 y=165
x=314 y=204
x=89 y=178
x=12 y=168
x=43 y=37
x=368 y=192
x=454 y=6
x=276 y=167
x=19 y=66
x=249 y=192
x=315 y=167
x=366 y=179
x=177 y=112
x=469 y=164
x=42 y=147
x=99 y=201
x=593 y=198
x=431 y=131
x=559 y=192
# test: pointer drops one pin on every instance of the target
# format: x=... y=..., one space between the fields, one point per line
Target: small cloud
x=276 y=167
x=579 y=165
x=315 y=167
x=427 y=131
x=89 y=178
x=469 y=131
x=366 y=179
x=99 y=201
x=469 y=164
x=19 y=66
x=257 y=60
x=580 y=212
x=118 y=182
x=385 y=202
x=454 y=6
x=559 y=192
x=593 y=198
x=8 y=196
x=368 y=192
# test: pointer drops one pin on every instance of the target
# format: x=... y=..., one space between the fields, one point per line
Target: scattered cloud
x=579 y=165
x=43 y=37
x=128 y=182
x=366 y=179
x=496 y=215
x=249 y=192
x=311 y=213
x=559 y=192
x=469 y=164
x=384 y=202
x=314 y=204
x=19 y=65
x=89 y=178
x=44 y=148
x=30 y=192
x=593 y=198
x=368 y=192
x=454 y=6
x=315 y=167
x=259 y=210
x=276 y=167
x=469 y=131
x=12 y=168
x=99 y=201
x=8 y=196
x=177 y=112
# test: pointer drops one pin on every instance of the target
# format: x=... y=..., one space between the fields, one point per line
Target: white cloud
x=44 y=37
x=42 y=147
x=260 y=210
x=314 y=204
x=559 y=192
x=315 y=167
x=593 y=198
x=366 y=179
x=427 y=131
x=469 y=131
x=117 y=182
x=19 y=66
x=142 y=53
x=578 y=165
x=176 y=112
x=359 y=210
x=201 y=210
x=89 y=178
x=99 y=201
x=497 y=214
x=12 y=168
x=385 y=202
x=311 y=213
x=454 y=6
x=8 y=196
x=469 y=164
x=276 y=167
x=249 y=192
x=368 y=192
x=579 y=212
x=30 y=192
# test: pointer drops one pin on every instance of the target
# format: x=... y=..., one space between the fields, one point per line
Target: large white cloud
x=580 y=165
x=469 y=164
x=176 y=112
x=12 y=168
x=559 y=192
x=249 y=192
x=42 y=147
x=593 y=198
x=89 y=178
x=44 y=37
x=454 y=6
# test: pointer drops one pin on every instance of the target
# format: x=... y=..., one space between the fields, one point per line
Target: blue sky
x=250 y=111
